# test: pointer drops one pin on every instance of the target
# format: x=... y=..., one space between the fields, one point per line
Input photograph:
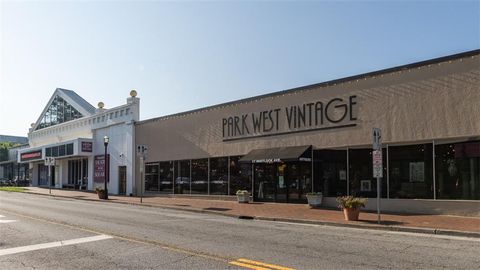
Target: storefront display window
x=219 y=176
x=362 y=182
x=330 y=172
x=182 y=177
x=240 y=175
x=457 y=171
x=411 y=171
x=151 y=177
x=200 y=176
x=166 y=176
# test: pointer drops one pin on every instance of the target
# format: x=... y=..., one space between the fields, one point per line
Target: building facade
x=10 y=170
x=72 y=131
x=318 y=138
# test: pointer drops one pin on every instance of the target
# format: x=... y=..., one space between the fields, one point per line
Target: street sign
x=142 y=154
x=49 y=161
x=142 y=150
x=377 y=139
x=377 y=163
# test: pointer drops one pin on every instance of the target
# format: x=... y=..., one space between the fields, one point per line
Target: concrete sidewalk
x=434 y=224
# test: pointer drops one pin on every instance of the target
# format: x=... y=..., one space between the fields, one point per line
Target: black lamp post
x=105 y=142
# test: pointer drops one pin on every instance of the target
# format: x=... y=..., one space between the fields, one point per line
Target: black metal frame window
x=59 y=112
x=219 y=176
x=199 y=176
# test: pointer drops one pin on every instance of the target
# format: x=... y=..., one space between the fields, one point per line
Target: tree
x=4 y=146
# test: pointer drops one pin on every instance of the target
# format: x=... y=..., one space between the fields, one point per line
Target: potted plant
x=351 y=206
x=314 y=199
x=102 y=195
x=243 y=196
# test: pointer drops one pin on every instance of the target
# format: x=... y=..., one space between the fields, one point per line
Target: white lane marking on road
x=9 y=251
x=6 y=220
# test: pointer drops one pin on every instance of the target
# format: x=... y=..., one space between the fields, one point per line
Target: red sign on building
x=99 y=168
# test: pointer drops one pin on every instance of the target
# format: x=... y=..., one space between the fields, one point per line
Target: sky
x=187 y=55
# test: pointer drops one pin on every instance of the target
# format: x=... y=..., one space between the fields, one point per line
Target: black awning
x=279 y=154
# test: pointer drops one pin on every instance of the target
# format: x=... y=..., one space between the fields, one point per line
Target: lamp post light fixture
x=105 y=143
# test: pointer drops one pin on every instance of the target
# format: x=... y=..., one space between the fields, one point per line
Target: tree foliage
x=4 y=146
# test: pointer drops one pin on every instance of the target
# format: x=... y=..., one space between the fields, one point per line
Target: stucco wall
x=438 y=101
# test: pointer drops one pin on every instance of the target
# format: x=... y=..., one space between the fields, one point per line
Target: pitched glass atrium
x=59 y=112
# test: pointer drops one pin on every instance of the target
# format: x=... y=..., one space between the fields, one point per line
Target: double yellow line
x=258 y=265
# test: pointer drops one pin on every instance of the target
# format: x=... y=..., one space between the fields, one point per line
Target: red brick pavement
x=292 y=212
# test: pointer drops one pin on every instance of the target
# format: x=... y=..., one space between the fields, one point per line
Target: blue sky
x=186 y=55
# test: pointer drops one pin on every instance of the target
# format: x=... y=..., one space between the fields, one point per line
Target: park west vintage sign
x=319 y=115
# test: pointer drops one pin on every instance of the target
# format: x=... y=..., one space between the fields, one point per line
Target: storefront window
x=200 y=176
x=219 y=176
x=298 y=178
x=411 y=171
x=457 y=168
x=362 y=182
x=42 y=175
x=166 y=176
x=151 y=177
x=240 y=175
x=182 y=177
x=330 y=172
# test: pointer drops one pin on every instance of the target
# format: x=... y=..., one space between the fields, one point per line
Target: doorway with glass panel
x=77 y=174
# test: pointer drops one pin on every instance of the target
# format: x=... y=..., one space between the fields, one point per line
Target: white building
x=72 y=130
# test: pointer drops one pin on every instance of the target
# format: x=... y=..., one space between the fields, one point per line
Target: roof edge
x=326 y=83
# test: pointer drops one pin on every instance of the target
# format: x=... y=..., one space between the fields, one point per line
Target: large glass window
x=298 y=178
x=182 y=177
x=362 y=182
x=457 y=168
x=200 y=176
x=330 y=172
x=151 y=177
x=42 y=175
x=59 y=111
x=411 y=171
x=77 y=173
x=166 y=176
x=240 y=175
x=219 y=176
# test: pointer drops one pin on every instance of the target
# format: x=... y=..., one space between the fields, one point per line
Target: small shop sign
x=31 y=155
x=99 y=168
x=87 y=146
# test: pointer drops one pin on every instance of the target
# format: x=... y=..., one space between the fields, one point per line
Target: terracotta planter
x=102 y=195
x=351 y=213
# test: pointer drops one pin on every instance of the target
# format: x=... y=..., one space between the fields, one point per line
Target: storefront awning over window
x=280 y=154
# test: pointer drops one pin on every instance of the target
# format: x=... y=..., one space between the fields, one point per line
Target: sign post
x=142 y=153
x=49 y=161
x=377 y=161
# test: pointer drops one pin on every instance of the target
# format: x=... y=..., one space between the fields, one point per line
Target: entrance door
x=270 y=183
x=122 y=180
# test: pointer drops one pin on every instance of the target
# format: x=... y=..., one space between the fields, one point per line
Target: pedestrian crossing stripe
x=250 y=264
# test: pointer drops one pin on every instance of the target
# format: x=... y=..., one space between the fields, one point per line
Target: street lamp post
x=105 y=142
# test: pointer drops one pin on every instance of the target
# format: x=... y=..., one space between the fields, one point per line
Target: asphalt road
x=41 y=232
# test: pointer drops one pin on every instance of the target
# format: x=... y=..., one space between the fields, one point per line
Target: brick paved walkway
x=298 y=212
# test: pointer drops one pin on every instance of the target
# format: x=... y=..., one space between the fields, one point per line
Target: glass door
x=265 y=182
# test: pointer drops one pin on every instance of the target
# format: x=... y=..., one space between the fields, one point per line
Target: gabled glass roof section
x=58 y=112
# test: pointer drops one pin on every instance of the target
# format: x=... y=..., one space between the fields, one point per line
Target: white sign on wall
x=377 y=163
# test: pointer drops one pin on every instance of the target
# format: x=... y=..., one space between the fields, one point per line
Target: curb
x=299 y=221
